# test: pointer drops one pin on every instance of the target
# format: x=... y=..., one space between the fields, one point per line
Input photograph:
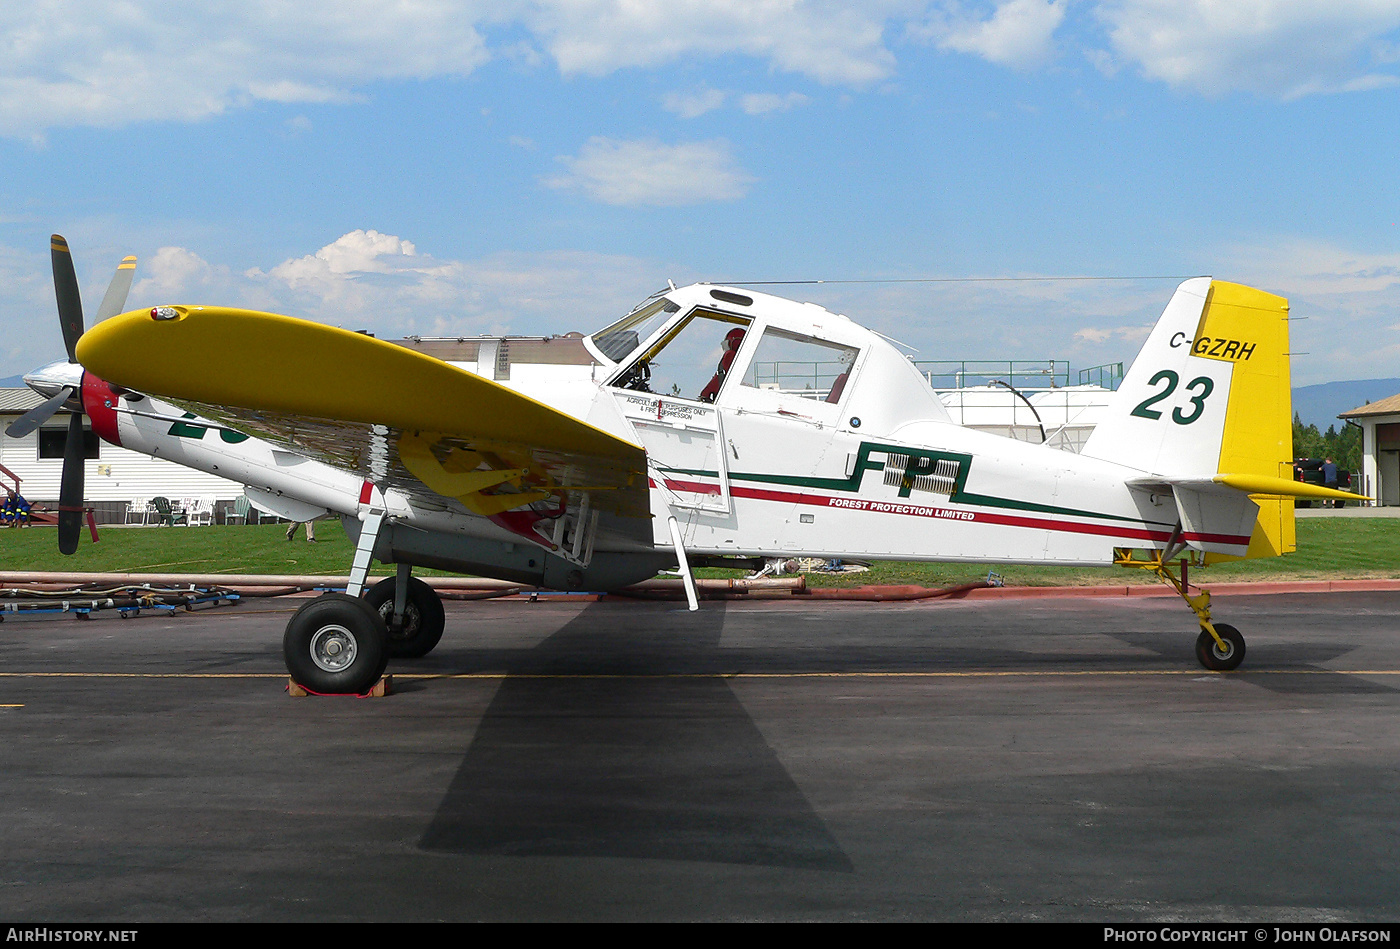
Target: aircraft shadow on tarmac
x=1288 y=668
x=586 y=752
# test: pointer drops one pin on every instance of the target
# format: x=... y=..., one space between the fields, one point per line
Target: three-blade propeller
x=70 y=319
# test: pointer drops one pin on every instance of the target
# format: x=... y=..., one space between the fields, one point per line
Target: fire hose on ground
x=129 y=594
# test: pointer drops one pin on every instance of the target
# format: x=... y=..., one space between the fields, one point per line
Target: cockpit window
x=622 y=338
x=801 y=365
x=692 y=360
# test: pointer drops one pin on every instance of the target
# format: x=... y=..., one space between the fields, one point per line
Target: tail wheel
x=336 y=644
x=1214 y=658
x=423 y=618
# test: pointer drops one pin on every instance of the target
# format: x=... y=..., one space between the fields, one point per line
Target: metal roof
x=1390 y=406
x=17 y=401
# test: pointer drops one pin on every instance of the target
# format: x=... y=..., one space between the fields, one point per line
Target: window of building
x=51 y=442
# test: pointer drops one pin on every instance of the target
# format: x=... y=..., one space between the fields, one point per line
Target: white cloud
x=174 y=272
x=1301 y=267
x=1342 y=303
x=1284 y=48
x=381 y=282
x=759 y=103
x=826 y=40
x=1019 y=33
x=85 y=62
x=362 y=280
x=651 y=173
x=67 y=63
x=690 y=105
x=96 y=63
x=1095 y=334
x=357 y=252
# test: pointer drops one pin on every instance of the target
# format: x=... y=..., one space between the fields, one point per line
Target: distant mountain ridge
x=1320 y=404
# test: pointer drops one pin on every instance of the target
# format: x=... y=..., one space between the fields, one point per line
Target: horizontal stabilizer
x=1263 y=484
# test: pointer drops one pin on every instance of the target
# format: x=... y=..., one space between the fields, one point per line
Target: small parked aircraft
x=711 y=421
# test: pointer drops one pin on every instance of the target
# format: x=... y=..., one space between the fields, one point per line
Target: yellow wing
x=398 y=417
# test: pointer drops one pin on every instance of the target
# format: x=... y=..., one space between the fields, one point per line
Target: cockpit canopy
x=618 y=341
x=751 y=352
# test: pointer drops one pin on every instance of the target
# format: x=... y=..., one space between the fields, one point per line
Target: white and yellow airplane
x=712 y=421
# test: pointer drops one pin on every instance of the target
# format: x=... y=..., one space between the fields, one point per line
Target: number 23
x=1198 y=399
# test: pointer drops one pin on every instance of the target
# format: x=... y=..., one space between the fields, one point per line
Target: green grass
x=1328 y=548
x=259 y=548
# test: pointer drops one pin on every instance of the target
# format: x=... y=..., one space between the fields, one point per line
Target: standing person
x=310 y=530
x=1329 y=476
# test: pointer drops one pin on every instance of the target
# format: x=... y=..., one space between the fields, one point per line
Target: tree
x=1343 y=447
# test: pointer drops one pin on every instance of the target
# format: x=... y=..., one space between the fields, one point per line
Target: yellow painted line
x=716 y=675
x=143 y=675
x=11 y=706
x=876 y=675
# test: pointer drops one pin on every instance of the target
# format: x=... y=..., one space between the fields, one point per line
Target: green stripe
x=852 y=484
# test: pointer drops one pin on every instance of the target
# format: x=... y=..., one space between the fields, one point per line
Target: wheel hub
x=409 y=628
x=333 y=648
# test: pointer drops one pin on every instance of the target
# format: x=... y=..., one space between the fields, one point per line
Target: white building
x=1380 y=449
x=113 y=476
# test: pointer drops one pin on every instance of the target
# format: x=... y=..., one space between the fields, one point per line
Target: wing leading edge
x=400 y=418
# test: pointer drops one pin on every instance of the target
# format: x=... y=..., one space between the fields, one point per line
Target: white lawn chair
x=139 y=508
x=200 y=512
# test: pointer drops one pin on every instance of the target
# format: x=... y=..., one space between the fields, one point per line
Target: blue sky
x=531 y=167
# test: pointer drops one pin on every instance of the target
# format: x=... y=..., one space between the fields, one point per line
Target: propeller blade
x=65 y=287
x=115 y=299
x=70 y=489
x=38 y=415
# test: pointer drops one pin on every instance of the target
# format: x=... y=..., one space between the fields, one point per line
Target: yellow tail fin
x=1249 y=328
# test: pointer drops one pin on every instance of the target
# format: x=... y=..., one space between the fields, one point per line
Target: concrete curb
x=1216 y=589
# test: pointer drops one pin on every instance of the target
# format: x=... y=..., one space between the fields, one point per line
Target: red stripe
x=366 y=492
x=99 y=404
x=946 y=513
x=1217 y=538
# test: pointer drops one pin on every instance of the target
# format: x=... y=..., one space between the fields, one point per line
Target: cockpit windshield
x=622 y=338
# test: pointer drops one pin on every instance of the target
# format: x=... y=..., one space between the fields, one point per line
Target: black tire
x=336 y=644
x=1210 y=654
x=423 y=618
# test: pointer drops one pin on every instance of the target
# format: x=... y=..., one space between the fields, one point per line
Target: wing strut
x=686 y=575
x=371 y=518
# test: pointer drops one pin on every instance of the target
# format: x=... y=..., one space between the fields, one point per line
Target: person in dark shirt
x=1329 y=476
x=15 y=510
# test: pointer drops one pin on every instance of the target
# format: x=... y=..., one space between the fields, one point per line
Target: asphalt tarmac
x=998 y=760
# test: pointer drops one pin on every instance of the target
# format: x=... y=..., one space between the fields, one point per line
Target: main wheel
x=423 y=618
x=1214 y=658
x=336 y=644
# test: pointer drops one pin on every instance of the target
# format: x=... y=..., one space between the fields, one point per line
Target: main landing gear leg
x=1220 y=647
x=338 y=643
x=412 y=613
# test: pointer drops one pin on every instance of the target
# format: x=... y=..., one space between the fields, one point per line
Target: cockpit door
x=685 y=449
x=668 y=392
